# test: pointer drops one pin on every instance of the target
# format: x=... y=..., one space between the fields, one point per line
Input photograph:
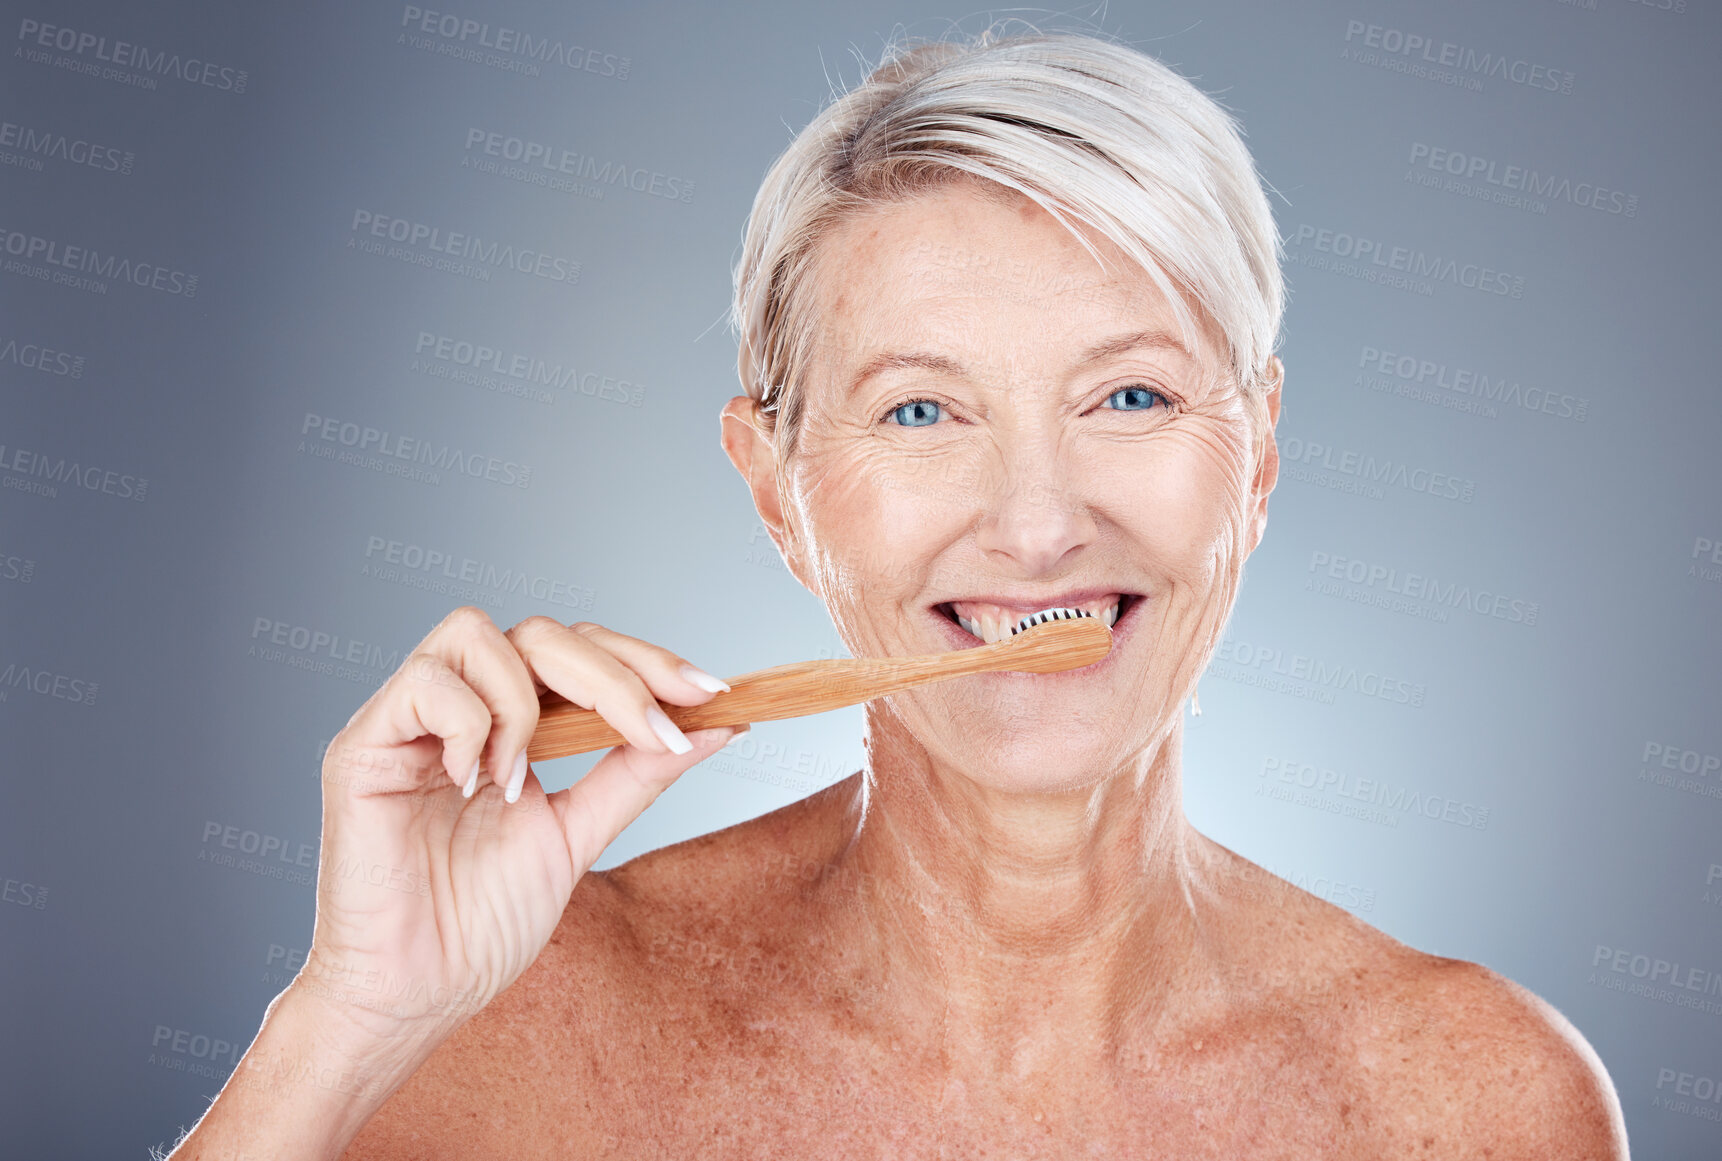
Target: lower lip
x=1122 y=630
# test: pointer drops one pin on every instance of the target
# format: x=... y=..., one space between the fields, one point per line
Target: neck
x=1023 y=919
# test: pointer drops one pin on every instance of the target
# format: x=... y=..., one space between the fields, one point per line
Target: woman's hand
x=445 y=868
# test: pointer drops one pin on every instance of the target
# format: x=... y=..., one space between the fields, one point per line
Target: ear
x=1268 y=461
x=754 y=455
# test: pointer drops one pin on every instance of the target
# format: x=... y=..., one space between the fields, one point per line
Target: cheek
x=876 y=520
x=1182 y=501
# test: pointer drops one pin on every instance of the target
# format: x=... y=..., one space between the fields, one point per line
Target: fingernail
x=739 y=732
x=705 y=680
x=472 y=780
x=667 y=732
x=516 y=778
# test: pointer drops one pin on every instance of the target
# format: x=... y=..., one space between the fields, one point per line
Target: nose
x=1035 y=515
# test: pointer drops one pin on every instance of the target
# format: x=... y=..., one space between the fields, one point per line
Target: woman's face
x=993 y=426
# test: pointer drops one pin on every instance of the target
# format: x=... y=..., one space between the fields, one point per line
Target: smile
x=991 y=621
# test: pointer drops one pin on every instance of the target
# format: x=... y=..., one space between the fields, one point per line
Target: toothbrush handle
x=811 y=687
x=783 y=691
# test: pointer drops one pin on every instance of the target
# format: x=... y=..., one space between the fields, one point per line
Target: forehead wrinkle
x=945 y=365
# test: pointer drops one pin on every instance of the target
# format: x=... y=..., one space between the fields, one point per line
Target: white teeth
x=990 y=627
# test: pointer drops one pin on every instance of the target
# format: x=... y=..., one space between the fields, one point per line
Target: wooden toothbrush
x=1046 y=642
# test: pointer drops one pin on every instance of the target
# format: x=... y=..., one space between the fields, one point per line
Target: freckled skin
x=1003 y=938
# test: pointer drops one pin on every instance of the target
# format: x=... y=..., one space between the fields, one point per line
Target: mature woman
x=1007 y=313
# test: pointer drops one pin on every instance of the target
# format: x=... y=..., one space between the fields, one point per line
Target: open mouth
x=990 y=622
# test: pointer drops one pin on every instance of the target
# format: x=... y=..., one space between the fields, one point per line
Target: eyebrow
x=945 y=365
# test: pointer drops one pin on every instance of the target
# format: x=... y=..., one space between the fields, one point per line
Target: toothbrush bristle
x=1046 y=615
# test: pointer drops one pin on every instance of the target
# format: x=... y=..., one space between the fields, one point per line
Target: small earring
x=1195 y=703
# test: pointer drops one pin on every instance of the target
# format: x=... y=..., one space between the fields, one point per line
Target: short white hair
x=1096 y=133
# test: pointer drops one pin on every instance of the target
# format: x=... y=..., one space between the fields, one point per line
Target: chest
x=799 y=1085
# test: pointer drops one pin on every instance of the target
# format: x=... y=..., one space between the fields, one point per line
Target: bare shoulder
x=1462 y=1061
x=481 y=1093
x=516 y=1080
x=1498 y=1067
x=1448 y=1058
x=734 y=870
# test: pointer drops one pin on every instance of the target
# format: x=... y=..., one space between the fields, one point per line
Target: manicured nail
x=516 y=778
x=472 y=780
x=666 y=730
x=740 y=732
x=705 y=680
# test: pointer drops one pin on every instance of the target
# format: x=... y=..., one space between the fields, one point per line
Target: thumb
x=618 y=789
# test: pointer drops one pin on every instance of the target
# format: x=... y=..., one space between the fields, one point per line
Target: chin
x=1041 y=760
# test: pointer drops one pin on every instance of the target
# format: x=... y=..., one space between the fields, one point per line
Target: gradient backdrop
x=1470 y=690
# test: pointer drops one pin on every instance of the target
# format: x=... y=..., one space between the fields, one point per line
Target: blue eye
x=1139 y=398
x=917 y=413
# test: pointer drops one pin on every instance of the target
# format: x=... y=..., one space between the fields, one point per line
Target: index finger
x=569 y=661
x=670 y=676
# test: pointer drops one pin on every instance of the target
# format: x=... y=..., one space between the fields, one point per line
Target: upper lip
x=1026 y=605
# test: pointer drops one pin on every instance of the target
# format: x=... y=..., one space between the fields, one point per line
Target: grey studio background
x=250 y=252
